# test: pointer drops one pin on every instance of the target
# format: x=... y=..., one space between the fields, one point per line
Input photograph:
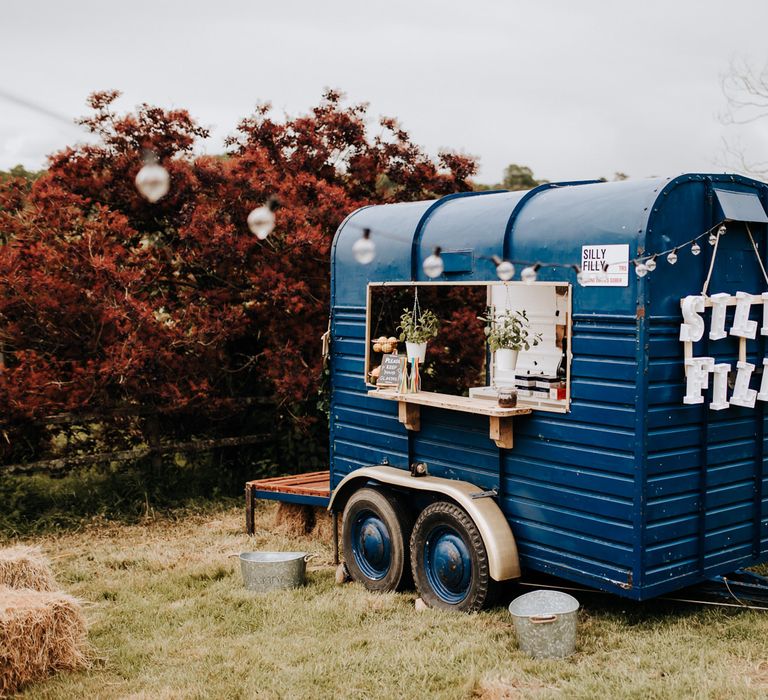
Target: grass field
x=169 y=618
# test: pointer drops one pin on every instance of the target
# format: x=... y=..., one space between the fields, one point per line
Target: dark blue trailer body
x=631 y=491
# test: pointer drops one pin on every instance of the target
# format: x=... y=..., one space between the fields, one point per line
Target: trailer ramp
x=309 y=489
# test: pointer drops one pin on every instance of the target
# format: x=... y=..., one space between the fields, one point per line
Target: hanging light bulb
x=672 y=257
x=641 y=269
x=722 y=230
x=505 y=270
x=364 y=249
x=695 y=248
x=433 y=265
x=529 y=274
x=650 y=264
x=712 y=238
x=153 y=180
x=261 y=220
x=581 y=278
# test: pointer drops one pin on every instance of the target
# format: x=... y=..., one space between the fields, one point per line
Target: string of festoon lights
x=364 y=251
x=153 y=182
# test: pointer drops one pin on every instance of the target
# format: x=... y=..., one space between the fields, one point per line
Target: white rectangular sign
x=605 y=265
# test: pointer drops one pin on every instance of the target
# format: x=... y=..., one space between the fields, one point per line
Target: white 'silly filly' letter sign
x=699 y=369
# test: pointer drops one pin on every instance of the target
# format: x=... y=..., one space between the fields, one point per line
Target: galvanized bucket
x=273 y=571
x=545 y=623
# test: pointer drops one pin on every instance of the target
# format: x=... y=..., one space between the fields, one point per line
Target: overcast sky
x=572 y=89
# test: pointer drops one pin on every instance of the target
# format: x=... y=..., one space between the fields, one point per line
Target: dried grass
x=26 y=567
x=171 y=633
x=497 y=688
x=40 y=633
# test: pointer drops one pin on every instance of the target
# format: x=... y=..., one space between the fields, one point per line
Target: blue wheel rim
x=371 y=545
x=448 y=564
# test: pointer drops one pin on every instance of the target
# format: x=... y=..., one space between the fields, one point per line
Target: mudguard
x=500 y=545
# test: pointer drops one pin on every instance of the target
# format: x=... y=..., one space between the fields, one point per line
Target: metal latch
x=326 y=341
x=492 y=493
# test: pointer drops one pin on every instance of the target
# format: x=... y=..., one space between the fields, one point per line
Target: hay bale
x=25 y=567
x=297 y=520
x=323 y=528
x=40 y=633
x=294 y=519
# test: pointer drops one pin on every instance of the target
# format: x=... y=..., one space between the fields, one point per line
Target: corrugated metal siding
x=569 y=482
x=705 y=497
x=363 y=431
x=456 y=445
x=562 y=472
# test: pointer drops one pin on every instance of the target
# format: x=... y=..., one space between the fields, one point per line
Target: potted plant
x=507 y=334
x=418 y=328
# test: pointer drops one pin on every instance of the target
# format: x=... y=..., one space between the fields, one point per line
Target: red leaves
x=106 y=299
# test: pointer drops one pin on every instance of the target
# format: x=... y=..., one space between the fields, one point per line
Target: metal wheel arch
x=500 y=545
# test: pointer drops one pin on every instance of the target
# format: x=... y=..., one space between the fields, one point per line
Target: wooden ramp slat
x=310 y=484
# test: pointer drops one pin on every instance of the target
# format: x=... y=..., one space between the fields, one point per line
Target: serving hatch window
x=464 y=327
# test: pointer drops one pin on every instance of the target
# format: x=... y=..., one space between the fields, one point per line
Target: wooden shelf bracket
x=409 y=414
x=501 y=432
x=499 y=419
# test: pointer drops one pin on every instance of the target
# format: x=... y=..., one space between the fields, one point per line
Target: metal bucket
x=545 y=623
x=273 y=571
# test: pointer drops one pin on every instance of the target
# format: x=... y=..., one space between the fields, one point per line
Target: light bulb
x=672 y=257
x=641 y=269
x=712 y=238
x=505 y=270
x=364 y=248
x=261 y=221
x=695 y=248
x=581 y=278
x=153 y=182
x=433 y=265
x=722 y=230
x=650 y=264
x=529 y=275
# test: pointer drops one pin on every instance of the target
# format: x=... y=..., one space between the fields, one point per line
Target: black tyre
x=375 y=534
x=448 y=559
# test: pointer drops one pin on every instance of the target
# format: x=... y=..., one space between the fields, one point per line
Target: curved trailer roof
x=548 y=224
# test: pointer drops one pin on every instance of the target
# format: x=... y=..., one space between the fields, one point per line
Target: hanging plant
x=418 y=327
x=510 y=330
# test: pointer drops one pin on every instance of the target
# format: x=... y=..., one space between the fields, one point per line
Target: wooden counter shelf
x=409 y=411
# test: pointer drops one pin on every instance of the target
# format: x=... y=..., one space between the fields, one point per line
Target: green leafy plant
x=418 y=328
x=510 y=330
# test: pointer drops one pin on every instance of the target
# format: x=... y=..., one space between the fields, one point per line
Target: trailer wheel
x=375 y=534
x=448 y=559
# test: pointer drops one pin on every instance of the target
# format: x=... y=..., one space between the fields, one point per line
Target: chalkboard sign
x=391 y=369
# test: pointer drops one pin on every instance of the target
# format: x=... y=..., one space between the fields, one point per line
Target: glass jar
x=507 y=398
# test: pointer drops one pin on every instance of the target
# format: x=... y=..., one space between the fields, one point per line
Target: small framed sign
x=392 y=367
x=605 y=265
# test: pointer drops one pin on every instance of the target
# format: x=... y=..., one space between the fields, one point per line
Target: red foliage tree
x=107 y=300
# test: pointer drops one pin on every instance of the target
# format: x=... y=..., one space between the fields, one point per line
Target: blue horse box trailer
x=622 y=467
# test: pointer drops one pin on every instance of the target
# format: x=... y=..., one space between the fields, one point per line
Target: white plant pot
x=506 y=359
x=416 y=350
